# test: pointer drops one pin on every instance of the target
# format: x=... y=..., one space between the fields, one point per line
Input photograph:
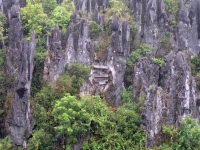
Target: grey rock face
x=19 y=123
x=168 y=93
x=188 y=26
x=18 y=72
x=78 y=46
x=154 y=23
x=89 y=5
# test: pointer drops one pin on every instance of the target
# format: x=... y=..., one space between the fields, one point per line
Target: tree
x=49 y=6
x=69 y=6
x=34 y=19
x=189 y=135
x=40 y=141
x=62 y=17
x=72 y=120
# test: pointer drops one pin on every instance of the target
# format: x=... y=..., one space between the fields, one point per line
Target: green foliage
x=34 y=19
x=186 y=138
x=141 y=51
x=42 y=105
x=195 y=65
x=5 y=144
x=189 y=135
x=61 y=16
x=165 y=44
x=159 y=61
x=37 y=80
x=173 y=24
x=2 y=89
x=40 y=141
x=116 y=6
x=78 y=74
x=112 y=128
x=2 y=24
x=69 y=6
x=195 y=68
x=95 y=29
x=49 y=6
x=71 y=118
x=172 y=6
x=63 y=85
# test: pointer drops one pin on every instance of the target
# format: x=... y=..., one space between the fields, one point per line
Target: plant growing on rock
x=159 y=61
x=62 y=17
x=172 y=6
x=95 y=29
x=141 y=51
x=185 y=138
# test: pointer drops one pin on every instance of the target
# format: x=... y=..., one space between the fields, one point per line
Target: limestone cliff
x=169 y=92
x=108 y=67
x=18 y=73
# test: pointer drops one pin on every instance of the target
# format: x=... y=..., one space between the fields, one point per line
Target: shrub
x=141 y=51
x=5 y=144
x=61 y=16
x=171 y=6
x=95 y=29
x=78 y=74
x=195 y=68
x=40 y=141
x=185 y=138
x=159 y=61
x=34 y=19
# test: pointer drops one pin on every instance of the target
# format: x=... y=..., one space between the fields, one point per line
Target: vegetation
x=185 y=138
x=165 y=45
x=136 y=54
x=195 y=68
x=95 y=29
x=172 y=6
x=159 y=61
x=63 y=118
x=101 y=127
x=5 y=144
x=62 y=17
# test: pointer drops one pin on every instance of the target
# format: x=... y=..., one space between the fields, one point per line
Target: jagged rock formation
x=154 y=23
x=18 y=72
x=169 y=93
x=79 y=46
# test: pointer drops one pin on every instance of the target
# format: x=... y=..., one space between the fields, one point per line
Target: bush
x=159 y=61
x=34 y=19
x=62 y=17
x=40 y=141
x=171 y=6
x=195 y=68
x=185 y=138
x=78 y=74
x=141 y=51
x=95 y=29
x=5 y=144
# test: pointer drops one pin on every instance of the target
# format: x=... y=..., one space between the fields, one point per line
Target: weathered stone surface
x=78 y=46
x=18 y=72
x=19 y=123
x=89 y=5
x=169 y=93
x=154 y=23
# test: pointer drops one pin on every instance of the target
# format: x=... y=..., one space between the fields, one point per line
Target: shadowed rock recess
x=168 y=92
